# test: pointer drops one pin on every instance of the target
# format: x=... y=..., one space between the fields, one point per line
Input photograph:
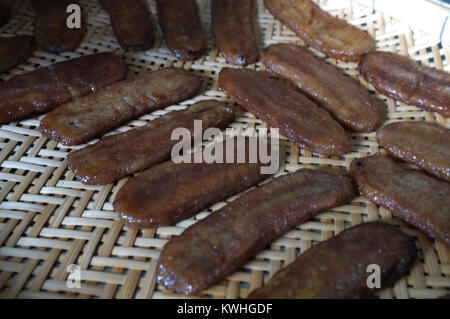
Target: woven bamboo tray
x=49 y=221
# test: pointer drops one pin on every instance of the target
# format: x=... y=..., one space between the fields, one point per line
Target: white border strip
x=427 y=16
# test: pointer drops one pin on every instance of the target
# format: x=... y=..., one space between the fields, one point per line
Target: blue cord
x=443 y=26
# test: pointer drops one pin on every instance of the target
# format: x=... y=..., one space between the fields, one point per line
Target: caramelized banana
x=91 y=116
x=217 y=245
x=337 y=268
